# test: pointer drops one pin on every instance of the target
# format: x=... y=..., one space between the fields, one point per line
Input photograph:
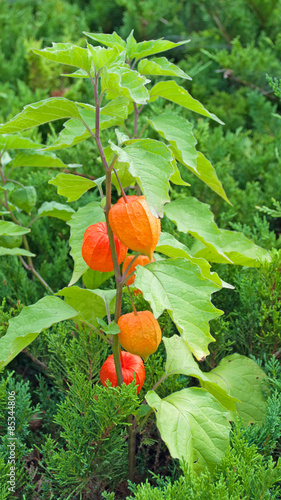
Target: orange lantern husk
x=139 y=333
x=96 y=248
x=132 y=366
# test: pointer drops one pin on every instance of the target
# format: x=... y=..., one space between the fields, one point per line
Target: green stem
x=131 y=299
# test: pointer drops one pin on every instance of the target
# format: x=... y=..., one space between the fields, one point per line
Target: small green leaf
x=151 y=164
x=178 y=286
x=193 y=425
x=160 y=66
x=57 y=210
x=79 y=222
x=112 y=40
x=181 y=361
x=15 y=251
x=9 y=186
x=24 y=198
x=206 y=172
x=72 y=186
x=240 y=250
x=122 y=169
x=89 y=304
x=66 y=53
x=111 y=329
x=38 y=159
x=242 y=378
x=122 y=81
x=105 y=57
x=150 y=47
x=93 y=279
x=192 y=216
x=173 y=92
x=25 y=327
x=176 y=177
x=11 y=229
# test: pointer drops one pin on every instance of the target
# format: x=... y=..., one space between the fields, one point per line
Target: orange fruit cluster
x=131 y=366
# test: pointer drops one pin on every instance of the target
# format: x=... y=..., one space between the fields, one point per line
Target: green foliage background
x=234 y=46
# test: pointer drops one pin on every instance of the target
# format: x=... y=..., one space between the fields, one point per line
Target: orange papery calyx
x=139 y=333
x=132 y=366
x=96 y=248
x=141 y=260
x=133 y=223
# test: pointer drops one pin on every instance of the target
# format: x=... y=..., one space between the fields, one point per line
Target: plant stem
x=119 y=284
x=125 y=275
x=120 y=185
x=132 y=302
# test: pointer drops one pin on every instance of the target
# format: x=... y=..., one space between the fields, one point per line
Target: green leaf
x=239 y=249
x=111 y=329
x=151 y=164
x=57 y=210
x=66 y=53
x=106 y=57
x=72 y=186
x=17 y=142
x=173 y=92
x=181 y=361
x=242 y=378
x=11 y=229
x=122 y=81
x=89 y=304
x=41 y=112
x=160 y=66
x=192 y=216
x=150 y=47
x=15 y=251
x=24 y=328
x=170 y=246
x=178 y=286
x=79 y=222
x=74 y=132
x=93 y=279
x=24 y=198
x=178 y=131
x=112 y=40
x=121 y=167
x=193 y=425
x=176 y=177
x=9 y=186
x=206 y=172
x=38 y=159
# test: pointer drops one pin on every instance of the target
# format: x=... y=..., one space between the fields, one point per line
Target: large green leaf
x=73 y=132
x=17 y=142
x=38 y=159
x=41 y=112
x=178 y=286
x=160 y=66
x=15 y=251
x=151 y=164
x=24 y=198
x=170 y=246
x=192 y=216
x=25 y=327
x=193 y=425
x=150 y=47
x=11 y=229
x=89 y=304
x=181 y=361
x=66 y=53
x=206 y=172
x=173 y=92
x=83 y=218
x=112 y=40
x=239 y=249
x=72 y=186
x=55 y=209
x=122 y=81
x=242 y=378
x=178 y=131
